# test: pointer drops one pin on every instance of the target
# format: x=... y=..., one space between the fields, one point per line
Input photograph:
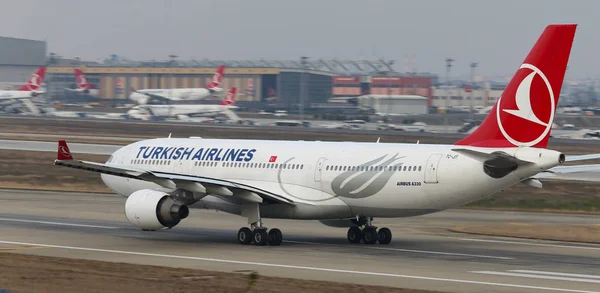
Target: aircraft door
x=431 y=169
x=319 y=169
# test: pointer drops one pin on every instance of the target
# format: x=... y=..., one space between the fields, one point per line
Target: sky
x=495 y=34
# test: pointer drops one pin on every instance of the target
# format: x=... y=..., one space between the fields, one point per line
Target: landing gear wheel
x=384 y=235
x=244 y=235
x=354 y=235
x=370 y=235
x=275 y=237
x=260 y=237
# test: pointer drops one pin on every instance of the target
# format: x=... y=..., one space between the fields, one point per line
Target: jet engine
x=154 y=210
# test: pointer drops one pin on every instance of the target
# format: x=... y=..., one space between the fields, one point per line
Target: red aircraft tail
x=217 y=78
x=35 y=80
x=82 y=81
x=524 y=114
x=63 y=153
x=229 y=98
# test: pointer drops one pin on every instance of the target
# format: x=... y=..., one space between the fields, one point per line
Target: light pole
x=473 y=65
x=389 y=74
x=448 y=66
x=303 y=91
x=172 y=64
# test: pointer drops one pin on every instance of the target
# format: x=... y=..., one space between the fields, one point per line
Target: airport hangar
x=263 y=82
x=19 y=58
x=258 y=82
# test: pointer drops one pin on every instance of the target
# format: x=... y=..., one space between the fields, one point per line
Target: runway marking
x=545 y=277
x=557 y=274
x=410 y=250
x=56 y=223
x=519 y=224
x=529 y=243
x=300 y=267
x=20 y=248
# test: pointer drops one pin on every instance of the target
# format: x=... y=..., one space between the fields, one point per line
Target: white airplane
x=165 y=96
x=146 y=111
x=347 y=184
x=30 y=89
x=83 y=84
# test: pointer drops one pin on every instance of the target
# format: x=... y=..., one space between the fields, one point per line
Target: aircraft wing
x=171 y=180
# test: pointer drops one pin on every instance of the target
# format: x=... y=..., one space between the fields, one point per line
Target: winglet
x=63 y=153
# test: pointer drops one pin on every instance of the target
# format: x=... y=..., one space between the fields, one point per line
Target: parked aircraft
x=166 y=96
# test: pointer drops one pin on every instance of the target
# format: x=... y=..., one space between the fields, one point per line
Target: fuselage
x=327 y=180
x=8 y=95
x=87 y=91
x=142 y=111
x=175 y=94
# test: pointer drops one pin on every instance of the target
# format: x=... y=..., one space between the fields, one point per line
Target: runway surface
x=125 y=123
x=422 y=255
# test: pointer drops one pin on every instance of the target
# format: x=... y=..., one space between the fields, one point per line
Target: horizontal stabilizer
x=582 y=157
x=590 y=173
x=482 y=156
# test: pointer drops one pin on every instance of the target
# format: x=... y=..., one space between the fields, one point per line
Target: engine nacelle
x=154 y=210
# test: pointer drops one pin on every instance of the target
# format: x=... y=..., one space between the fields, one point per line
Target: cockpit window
x=110 y=159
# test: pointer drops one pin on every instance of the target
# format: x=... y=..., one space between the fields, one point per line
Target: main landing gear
x=368 y=233
x=257 y=234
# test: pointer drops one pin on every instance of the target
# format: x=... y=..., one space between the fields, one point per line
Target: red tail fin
x=82 y=81
x=524 y=114
x=229 y=99
x=63 y=151
x=217 y=78
x=34 y=81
